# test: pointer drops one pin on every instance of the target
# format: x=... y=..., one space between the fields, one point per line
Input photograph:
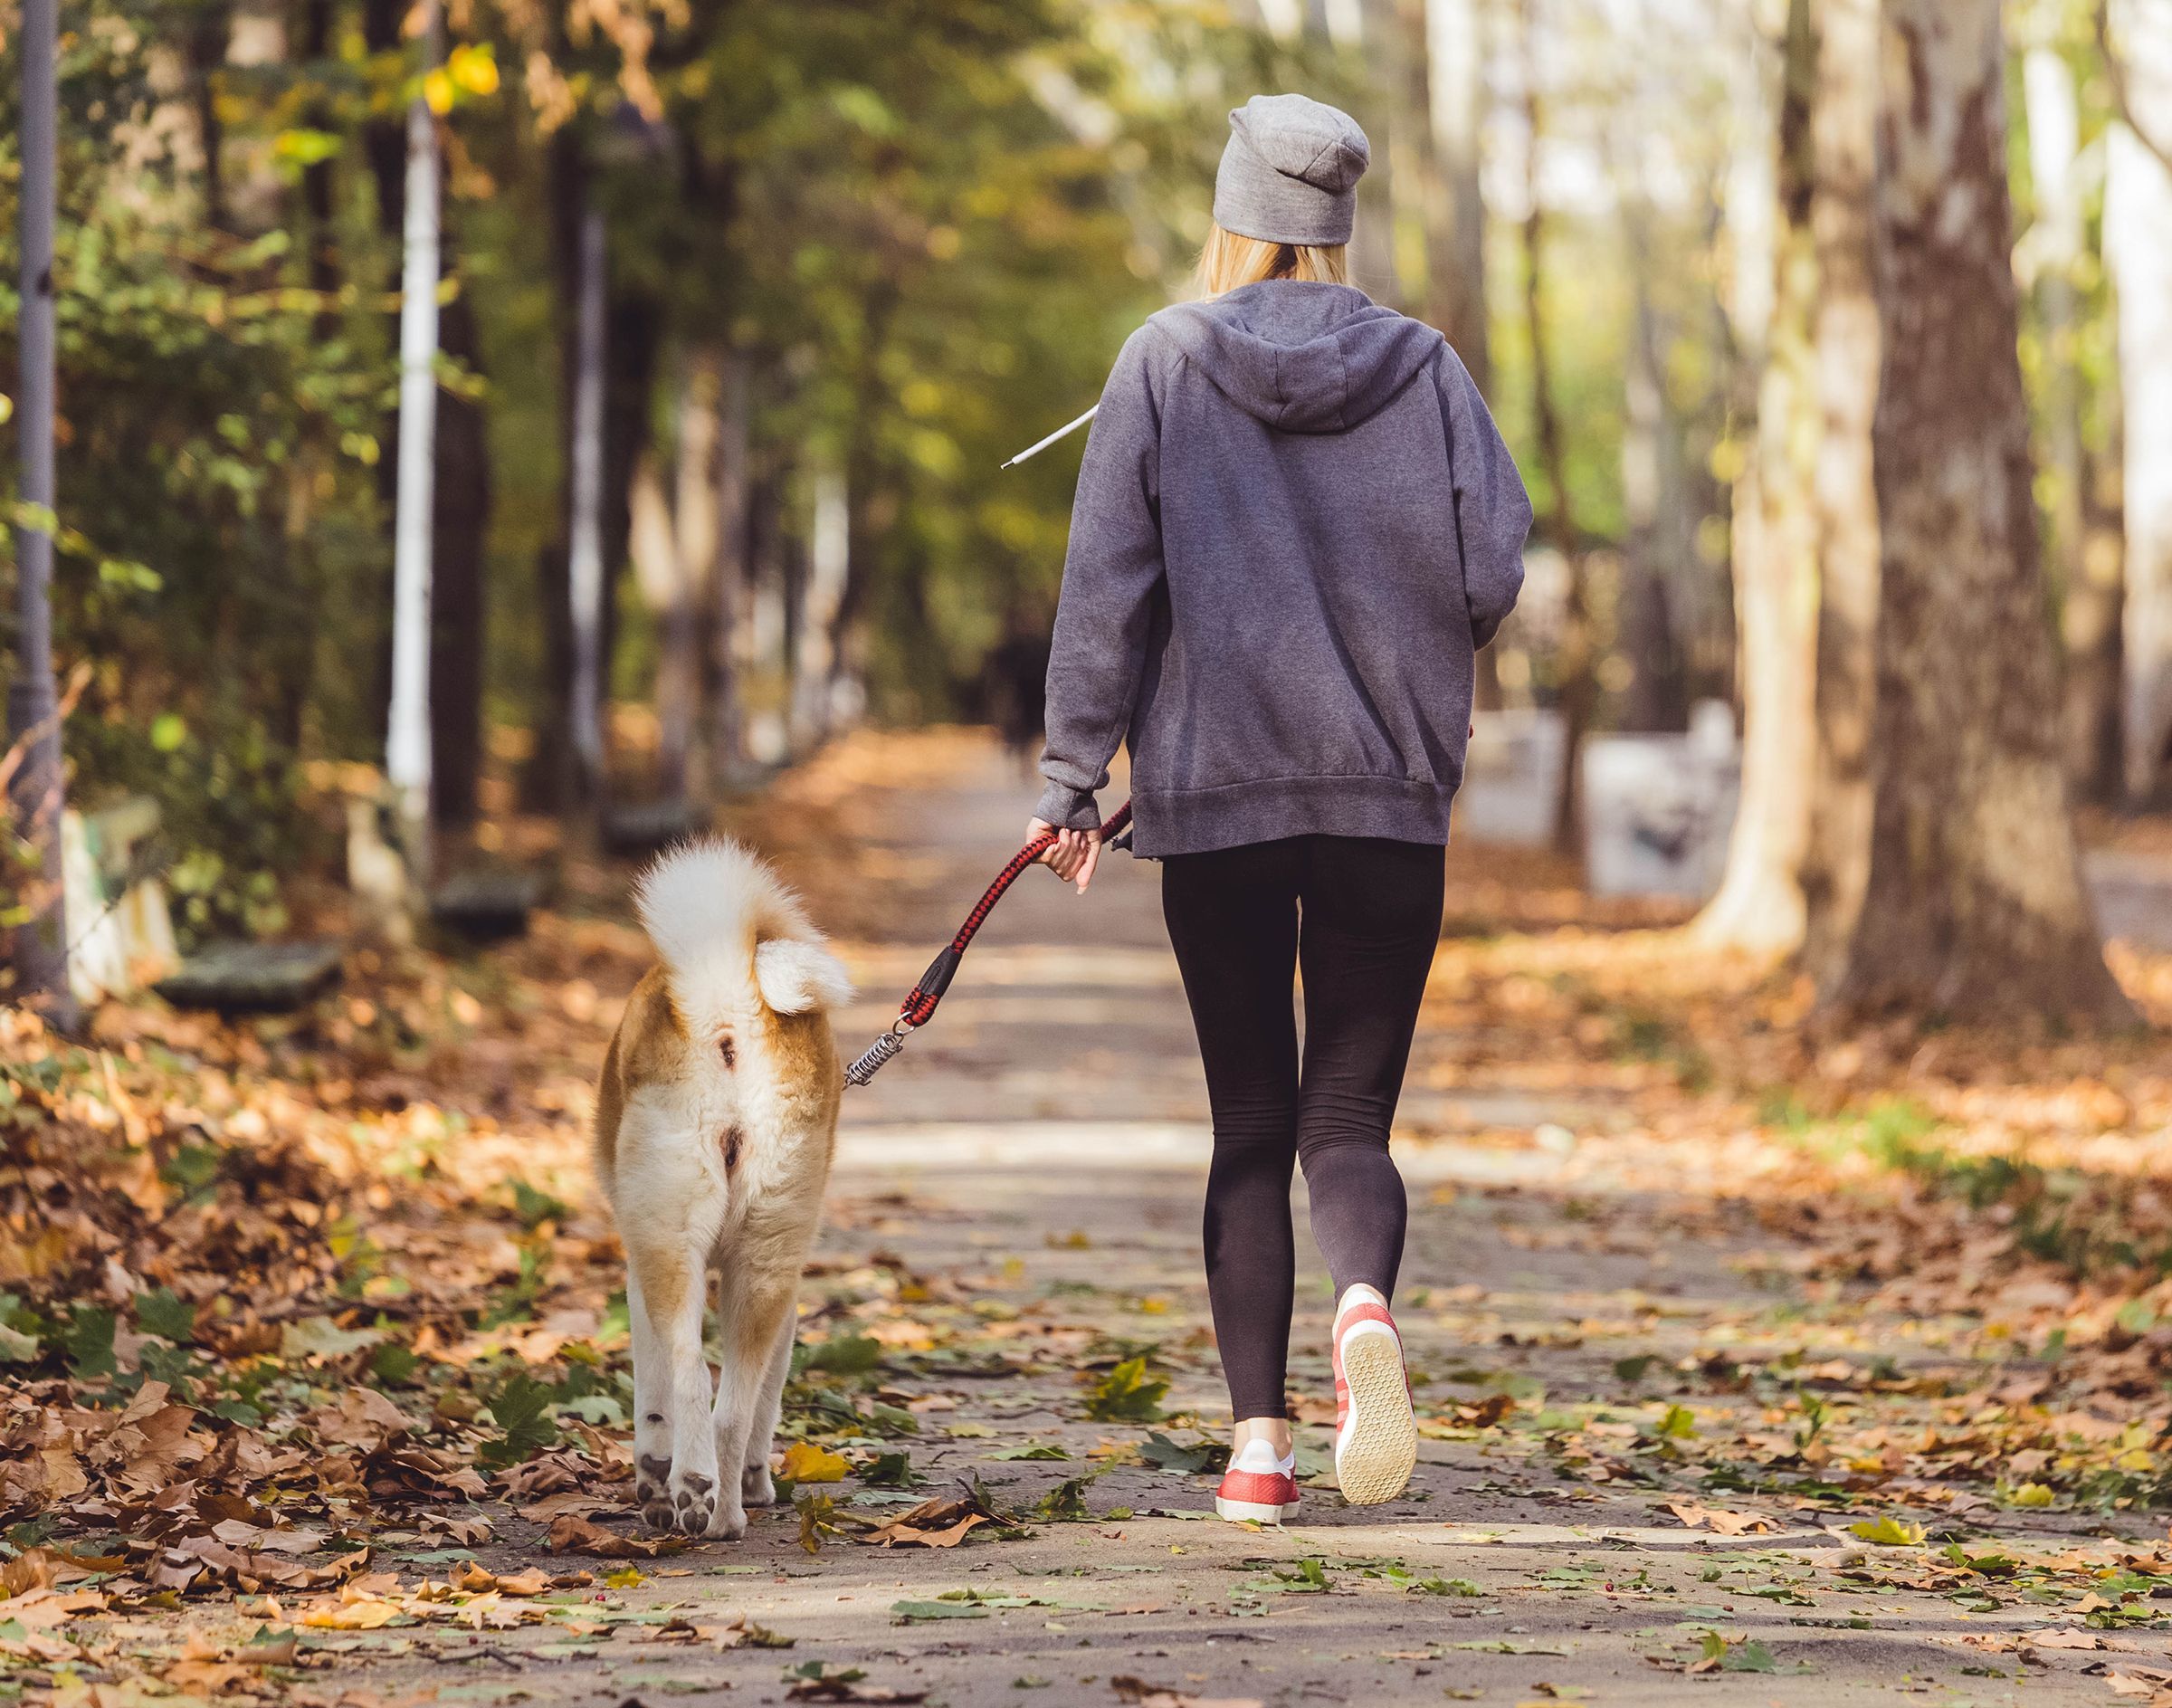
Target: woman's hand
x=1074 y=855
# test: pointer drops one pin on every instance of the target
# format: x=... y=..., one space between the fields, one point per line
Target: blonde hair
x=1228 y=261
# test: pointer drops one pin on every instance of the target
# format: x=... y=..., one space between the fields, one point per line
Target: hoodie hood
x=1302 y=356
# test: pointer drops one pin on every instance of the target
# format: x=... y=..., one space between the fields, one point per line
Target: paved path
x=1017 y=1200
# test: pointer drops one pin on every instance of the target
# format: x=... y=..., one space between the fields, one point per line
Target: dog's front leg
x=756 y=1318
x=667 y=1295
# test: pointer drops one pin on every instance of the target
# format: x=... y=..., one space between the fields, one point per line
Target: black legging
x=1362 y=916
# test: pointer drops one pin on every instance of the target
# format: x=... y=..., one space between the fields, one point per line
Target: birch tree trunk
x=2089 y=606
x=36 y=788
x=1759 y=905
x=585 y=578
x=1975 y=907
x=663 y=577
x=815 y=632
x=2137 y=223
x=407 y=750
x=1845 y=336
x=728 y=652
x=1575 y=665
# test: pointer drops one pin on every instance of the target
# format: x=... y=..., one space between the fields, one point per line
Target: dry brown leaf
x=1137 y=1690
x=470 y=1575
x=943 y=1521
x=573 y=1534
x=1723 y=1521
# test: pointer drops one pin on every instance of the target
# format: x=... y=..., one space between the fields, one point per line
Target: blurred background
x=740 y=306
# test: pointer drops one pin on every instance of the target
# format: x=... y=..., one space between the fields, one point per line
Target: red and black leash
x=919 y=1004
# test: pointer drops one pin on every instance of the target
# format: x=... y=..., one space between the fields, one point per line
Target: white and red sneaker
x=1258 y=1486
x=1376 y=1431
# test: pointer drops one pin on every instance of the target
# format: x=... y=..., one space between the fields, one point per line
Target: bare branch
x=2116 y=72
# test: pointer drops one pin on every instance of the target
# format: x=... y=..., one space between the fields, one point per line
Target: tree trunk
x=2137 y=223
x=458 y=586
x=2089 y=608
x=1657 y=698
x=549 y=781
x=1845 y=340
x=1577 y=686
x=814 y=654
x=726 y=652
x=665 y=573
x=584 y=526
x=1759 y=905
x=36 y=787
x=1976 y=907
x=407 y=750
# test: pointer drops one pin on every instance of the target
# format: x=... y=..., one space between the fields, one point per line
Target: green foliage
x=1127 y=1395
x=521 y=1410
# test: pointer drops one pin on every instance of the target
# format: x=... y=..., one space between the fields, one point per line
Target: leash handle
x=921 y=1001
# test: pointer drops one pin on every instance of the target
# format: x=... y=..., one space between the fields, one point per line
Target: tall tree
x=2138 y=219
x=36 y=792
x=2054 y=249
x=407 y=752
x=1574 y=664
x=1445 y=56
x=1845 y=336
x=1975 y=906
x=1760 y=904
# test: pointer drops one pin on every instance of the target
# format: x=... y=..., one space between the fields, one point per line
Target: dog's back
x=714 y=1118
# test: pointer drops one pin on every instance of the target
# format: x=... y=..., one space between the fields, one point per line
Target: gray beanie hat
x=1289 y=173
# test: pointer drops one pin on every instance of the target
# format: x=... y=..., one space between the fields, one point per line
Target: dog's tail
x=731 y=934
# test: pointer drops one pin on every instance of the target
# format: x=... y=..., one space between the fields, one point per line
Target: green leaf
x=1632 y=1369
x=393 y=1365
x=1126 y=1394
x=521 y=1409
x=1031 y=1450
x=87 y=1339
x=1188 y=1459
x=921 y=1612
x=534 y=1208
x=845 y=1355
x=163 y=1313
x=891 y=1470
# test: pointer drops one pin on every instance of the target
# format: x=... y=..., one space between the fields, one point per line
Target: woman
x=1295 y=526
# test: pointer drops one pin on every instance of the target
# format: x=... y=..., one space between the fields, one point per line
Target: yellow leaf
x=437 y=91
x=366 y=1615
x=806 y=1462
x=1889 y=1532
x=2033 y=1495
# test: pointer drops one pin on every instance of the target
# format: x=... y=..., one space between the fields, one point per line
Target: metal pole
x=33 y=719
x=407 y=734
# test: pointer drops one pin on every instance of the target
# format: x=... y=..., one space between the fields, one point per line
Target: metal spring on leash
x=878 y=1052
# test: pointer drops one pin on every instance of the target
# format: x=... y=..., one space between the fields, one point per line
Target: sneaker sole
x=1378 y=1447
x=1252 y=1511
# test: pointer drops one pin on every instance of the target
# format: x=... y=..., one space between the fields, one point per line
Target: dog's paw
x=653 y=1474
x=694 y=1502
x=755 y=1486
x=730 y=1523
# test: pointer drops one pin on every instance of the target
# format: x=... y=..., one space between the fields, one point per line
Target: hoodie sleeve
x=1112 y=572
x=1493 y=510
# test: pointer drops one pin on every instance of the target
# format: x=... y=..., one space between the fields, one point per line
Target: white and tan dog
x=715 y=1120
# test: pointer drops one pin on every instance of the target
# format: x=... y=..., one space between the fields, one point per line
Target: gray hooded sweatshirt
x=1295 y=526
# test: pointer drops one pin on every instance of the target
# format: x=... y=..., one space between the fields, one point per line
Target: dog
x=716 y=1117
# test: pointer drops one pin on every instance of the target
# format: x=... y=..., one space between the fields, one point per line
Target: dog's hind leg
x=755 y=1486
x=757 y=1315
x=672 y=1444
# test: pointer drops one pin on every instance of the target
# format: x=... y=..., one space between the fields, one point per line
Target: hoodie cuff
x=1068 y=808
